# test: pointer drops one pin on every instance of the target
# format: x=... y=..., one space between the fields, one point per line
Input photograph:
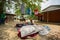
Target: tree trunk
x=2 y=5
x=2 y=15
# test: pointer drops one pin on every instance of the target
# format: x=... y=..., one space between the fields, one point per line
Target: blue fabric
x=28 y=11
x=2 y=21
x=48 y=28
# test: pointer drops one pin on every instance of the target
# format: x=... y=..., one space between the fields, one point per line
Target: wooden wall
x=52 y=16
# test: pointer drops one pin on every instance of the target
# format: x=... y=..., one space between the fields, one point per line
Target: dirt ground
x=9 y=32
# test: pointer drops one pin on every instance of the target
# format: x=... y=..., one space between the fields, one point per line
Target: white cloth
x=37 y=28
x=26 y=30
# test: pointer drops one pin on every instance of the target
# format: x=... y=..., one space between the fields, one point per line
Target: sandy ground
x=54 y=32
x=9 y=32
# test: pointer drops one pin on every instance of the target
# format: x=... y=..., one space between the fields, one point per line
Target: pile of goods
x=32 y=30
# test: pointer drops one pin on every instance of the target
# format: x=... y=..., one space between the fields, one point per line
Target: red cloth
x=33 y=35
x=25 y=37
x=19 y=35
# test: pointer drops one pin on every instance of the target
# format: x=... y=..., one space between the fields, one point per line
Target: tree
x=18 y=12
x=31 y=3
x=2 y=2
x=28 y=4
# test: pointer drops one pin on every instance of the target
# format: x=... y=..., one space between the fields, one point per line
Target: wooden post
x=47 y=17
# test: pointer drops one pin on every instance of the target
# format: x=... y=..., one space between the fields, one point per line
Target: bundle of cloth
x=32 y=30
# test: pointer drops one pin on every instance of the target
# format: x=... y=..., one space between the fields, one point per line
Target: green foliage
x=31 y=4
x=40 y=0
x=18 y=12
x=25 y=1
x=33 y=17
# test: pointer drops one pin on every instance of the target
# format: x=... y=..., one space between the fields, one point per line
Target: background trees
x=32 y=4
